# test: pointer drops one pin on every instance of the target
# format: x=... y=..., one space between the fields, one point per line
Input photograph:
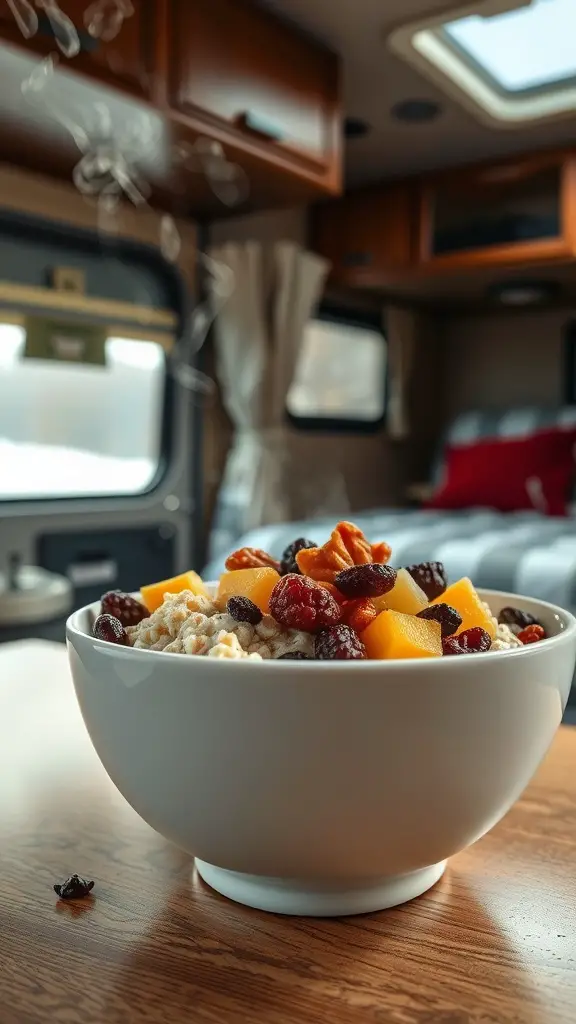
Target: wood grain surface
x=494 y=941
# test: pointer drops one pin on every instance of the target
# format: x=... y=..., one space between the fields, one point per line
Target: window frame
x=452 y=67
x=329 y=312
x=69 y=236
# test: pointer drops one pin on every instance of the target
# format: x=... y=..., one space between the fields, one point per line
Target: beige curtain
x=401 y=326
x=258 y=334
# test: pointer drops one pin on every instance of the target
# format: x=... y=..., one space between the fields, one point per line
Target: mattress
x=522 y=552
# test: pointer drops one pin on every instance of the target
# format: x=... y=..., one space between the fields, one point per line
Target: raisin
x=294 y=656
x=108 y=627
x=299 y=603
x=447 y=616
x=74 y=888
x=339 y=643
x=516 y=617
x=359 y=614
x=288 y=563
x=430 y=577
x=369 y=580
x=244 y=610
x=470 y=641
x=123 y=607
x=532 y=634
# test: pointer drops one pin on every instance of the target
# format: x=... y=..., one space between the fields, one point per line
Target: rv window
x=72 y=430
x=340 y=378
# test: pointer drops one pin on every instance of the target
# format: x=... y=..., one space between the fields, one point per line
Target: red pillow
x=510 y=474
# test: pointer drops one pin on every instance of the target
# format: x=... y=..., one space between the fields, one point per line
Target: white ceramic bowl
x=323 y=788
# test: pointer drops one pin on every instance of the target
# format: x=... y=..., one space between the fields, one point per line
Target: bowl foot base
x=309 y=899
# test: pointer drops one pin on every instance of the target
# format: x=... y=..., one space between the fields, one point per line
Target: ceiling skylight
x=515 y=61
x=532 y=47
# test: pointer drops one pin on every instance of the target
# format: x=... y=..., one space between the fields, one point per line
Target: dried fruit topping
x=123 y=607
x=381 y=552
x=74 y=888
x=288 y=562
x=108 y=627
x=470 y=641
x=430 y=577
x=294 y=656
x=359 y=614
x=532 y=634
x=299 y=603
x=347 y=547
x=251 y=558
x=447 y=616
x=244 y=610
x=371 y=580
x=516 y=617
x=339 y=642
x=332 y=590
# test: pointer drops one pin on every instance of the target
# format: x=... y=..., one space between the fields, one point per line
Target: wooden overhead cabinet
x=240 y=74
x=367 y=235
x=519 y=212
x=227 y=70
x=120 y=53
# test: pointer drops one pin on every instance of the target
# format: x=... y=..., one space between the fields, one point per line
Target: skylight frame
x=428 y=46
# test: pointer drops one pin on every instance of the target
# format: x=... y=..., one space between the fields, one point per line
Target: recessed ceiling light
x=355 y=128
x=416 y=111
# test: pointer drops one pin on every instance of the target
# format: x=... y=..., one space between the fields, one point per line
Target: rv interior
x=271 y=265
x=306 y=255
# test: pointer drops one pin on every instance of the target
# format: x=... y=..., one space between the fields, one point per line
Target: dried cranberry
x=294 y=656
x=470 y=641
x=123 y=607
x=339 y=642
x=108 y=627
x=516 y=617
x=447 y=616
x=369 y=580
x=299 y=603
x=244 y=610
x=430 y=577
x=288 y=563
x=74 y=888
x=532 y=634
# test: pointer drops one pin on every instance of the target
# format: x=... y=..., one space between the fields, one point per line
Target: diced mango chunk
x=153 y=593
x=257 y=584
x=463 y=596
x=396 y=635
x=406 y=596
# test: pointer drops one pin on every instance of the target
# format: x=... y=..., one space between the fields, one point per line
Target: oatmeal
x=339 y=601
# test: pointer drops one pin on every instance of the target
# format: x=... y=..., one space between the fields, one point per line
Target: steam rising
x=25 y=17
x=108 y=168
x=63 y=28
x=104 y=19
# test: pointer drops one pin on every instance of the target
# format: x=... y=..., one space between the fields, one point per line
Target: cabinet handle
x=261 y=125
x=357 y=259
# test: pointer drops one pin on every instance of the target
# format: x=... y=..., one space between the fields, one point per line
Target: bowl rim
x=567 y=632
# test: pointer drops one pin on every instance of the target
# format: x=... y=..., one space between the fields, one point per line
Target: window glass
x=530 y=47
x=73 y=430
x=340 y=374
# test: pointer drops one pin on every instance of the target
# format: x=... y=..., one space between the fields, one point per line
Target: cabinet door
x=119 y=52
x=367 y=236
x=235 y=64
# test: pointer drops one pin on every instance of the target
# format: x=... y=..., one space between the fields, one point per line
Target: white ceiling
x=375 y=79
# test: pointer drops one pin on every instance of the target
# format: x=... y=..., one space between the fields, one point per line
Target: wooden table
x=495 y=941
